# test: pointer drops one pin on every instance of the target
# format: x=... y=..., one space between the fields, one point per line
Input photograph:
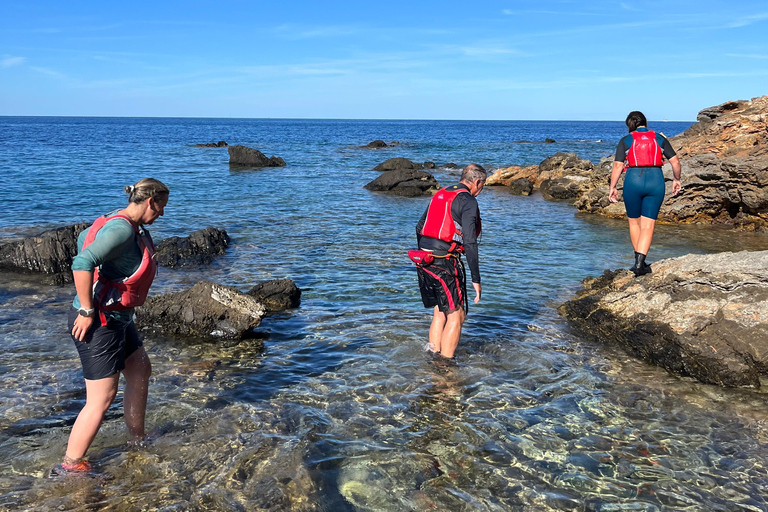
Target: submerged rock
x=50 y=253
x=220 y=144
x=208 y=310
x=277 y=294
x=378 y=144
x=405 y=182
x=199 y=248
x=703 y=316
x=394 y=164
x=249 y=157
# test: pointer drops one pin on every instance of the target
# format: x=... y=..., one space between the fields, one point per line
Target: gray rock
x=379 y=144
x=49 y=253
x=549 y=141
x=429 y=165
x=220 y=144
x=394 y=164
x=198 y=248
x=249 y=157
x=277 y=294
x=703 y=316
x=565 y=188
x=405 y=182
x=521 y=187
x=207 y=310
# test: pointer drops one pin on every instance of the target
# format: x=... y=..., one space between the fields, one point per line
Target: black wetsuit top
x=465 y=211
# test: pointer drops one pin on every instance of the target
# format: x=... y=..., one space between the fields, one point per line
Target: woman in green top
x=107 y=340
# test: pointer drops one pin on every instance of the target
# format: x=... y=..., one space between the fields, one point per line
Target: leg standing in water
x=117 y=247
x=450 y=227
x=642 y=154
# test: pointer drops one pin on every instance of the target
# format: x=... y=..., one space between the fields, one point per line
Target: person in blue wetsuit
x=642 y=154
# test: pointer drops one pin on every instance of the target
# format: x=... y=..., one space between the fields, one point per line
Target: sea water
x=335 y=406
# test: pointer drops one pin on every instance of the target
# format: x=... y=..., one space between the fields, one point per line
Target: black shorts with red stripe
x=443 y=283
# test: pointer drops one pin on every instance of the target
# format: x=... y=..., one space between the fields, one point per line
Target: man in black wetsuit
x=449 y=227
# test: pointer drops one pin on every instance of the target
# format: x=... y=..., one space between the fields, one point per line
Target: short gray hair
x=473 y=172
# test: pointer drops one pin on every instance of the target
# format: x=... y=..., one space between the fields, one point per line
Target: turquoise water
x=335 y=406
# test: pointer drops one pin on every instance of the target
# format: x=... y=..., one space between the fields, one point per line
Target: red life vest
x=129 y=292
x=440 y=223
x=645 y=150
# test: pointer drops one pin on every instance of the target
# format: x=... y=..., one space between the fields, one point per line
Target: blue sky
x=381 y=60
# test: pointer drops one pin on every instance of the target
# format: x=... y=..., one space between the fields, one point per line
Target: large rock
x=378 y=144
x=405 y=182
x=504 y=177
x=395 y=164
x=207 y=310
x=49 y=253
x=703 y=316
x=199 y=248
x=249 y=157
x=277 y=294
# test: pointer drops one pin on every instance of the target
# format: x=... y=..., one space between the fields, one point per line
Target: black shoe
x=640 y=268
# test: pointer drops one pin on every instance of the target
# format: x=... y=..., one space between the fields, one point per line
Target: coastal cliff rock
x=724 y=160
x=198 y=248
x=249 y=157
x=405 y=182
x=207 y=310
x=702 y=316
x=277 y=294
x=396 y=164
x=49 y=253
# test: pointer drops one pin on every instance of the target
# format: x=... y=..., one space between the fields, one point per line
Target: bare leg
x=452 y=332
x=645 y=235
x=99 y=396
x=137 y=372
x=634 y=232
x=436 y=330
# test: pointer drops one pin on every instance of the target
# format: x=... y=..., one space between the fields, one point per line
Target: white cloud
x=748 y=20
x=8 y=61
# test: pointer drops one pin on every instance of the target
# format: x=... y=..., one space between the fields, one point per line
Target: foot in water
x=72 y=467
x=429 y=348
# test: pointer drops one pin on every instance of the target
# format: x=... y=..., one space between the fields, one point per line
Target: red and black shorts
x=106 y=347
x=443 y=283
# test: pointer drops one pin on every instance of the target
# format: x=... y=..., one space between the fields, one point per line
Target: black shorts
x=105 y=348
x=443 y=283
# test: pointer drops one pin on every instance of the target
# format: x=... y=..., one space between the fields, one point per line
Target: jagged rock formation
x=207 y=310
x=703 y=316
x=249 y=157
x=405 y=182
x=198 y=248
x=48 y=253
x=277 y=294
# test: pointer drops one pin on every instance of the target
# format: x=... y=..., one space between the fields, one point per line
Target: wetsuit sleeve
x=115 y=238
x=420 y=226
x=621 y=150
x=666 y=148
x=469 y=213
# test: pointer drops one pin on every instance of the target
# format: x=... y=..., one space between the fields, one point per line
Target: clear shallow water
x=342 y=409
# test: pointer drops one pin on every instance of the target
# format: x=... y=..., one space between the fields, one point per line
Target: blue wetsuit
x=643 y=186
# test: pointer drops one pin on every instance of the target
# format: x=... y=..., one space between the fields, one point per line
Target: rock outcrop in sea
x=277 y=294
x=700 y=316
x=405 y=182
x=220 y=144
x=249 y=157
x=49 y=253
x=379 y=144
x=199 y=248
x=207 y=310
x=396 y=164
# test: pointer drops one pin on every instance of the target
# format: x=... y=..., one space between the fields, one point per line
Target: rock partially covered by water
x=394 y=164
x=277 y=294
x=378 y=144
x=220 y=144
x=208 y=310
x=249 y=157
x=405 y=182
x=505 y=176
x=50 y=253
x=703 y=316
x=199 y=248
x=521 y=187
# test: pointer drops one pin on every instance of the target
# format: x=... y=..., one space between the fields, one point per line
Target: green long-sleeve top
x=116 y=250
